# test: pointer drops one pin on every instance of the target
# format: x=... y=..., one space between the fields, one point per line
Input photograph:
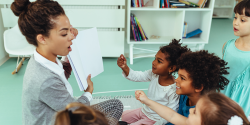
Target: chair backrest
x=15 y=43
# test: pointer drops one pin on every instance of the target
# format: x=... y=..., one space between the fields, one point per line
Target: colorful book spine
x=139 y=3
x=162 y=3
x=140 y=28
x=132 y=26
x=132 y=3
x=142 y=3
x=136 y=30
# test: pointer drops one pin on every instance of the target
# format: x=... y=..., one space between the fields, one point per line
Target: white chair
x=16 y=44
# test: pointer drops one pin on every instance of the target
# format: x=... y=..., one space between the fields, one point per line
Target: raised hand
x=122 y=62
x=90 y=85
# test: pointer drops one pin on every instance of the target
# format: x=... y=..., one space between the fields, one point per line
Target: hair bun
x=18 y=6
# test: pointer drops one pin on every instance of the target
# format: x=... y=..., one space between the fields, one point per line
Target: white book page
x=85 y=57
x=90 y=52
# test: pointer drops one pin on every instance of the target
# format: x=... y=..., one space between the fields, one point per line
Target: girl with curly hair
x=211 y=109
x=46 y=89
x=199 y=72
x=162 y=84
x=237 y=53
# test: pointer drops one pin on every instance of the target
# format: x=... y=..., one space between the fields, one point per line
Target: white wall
x=3 y=55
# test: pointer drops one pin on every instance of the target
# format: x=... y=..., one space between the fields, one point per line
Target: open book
x=85 y=57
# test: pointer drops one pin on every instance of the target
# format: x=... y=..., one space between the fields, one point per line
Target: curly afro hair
x=173 y=51
x=205 y=70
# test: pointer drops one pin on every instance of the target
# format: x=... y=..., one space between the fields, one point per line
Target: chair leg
x=18 y=65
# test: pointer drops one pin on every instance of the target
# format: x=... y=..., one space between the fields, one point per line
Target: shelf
x=222 y=16
x=168 y=23
x=167 y=39
x=193 y=41
x=224 y=7
x=168 y=9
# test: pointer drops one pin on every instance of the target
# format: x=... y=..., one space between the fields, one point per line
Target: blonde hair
x=82 y=115
x=218 y=109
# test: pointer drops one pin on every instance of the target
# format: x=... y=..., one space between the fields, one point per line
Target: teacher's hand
x=90 y=85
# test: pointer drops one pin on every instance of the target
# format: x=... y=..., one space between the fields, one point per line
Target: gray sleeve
x=54 y=93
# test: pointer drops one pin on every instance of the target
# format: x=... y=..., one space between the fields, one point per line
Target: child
x=237 y=53
x=46 y=89
x=79 y=114
x=199 y=72
x=162 y=85
x=211 y=109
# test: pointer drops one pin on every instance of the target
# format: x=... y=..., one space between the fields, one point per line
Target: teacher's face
x=60 y=38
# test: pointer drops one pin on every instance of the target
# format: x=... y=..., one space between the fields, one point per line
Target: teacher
x=46 y=89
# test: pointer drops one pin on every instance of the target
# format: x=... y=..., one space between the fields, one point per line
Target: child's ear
x=172 y=68
x=199 y=90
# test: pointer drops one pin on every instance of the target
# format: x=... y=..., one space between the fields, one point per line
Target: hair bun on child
x=19 y=6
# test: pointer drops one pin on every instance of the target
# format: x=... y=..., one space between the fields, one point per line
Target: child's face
x=59 y=40
x=241 y=25
x=194 y=117
x=184 y=83
x=160 y=65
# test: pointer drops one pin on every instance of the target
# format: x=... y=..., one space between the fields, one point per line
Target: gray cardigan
x=44 y=94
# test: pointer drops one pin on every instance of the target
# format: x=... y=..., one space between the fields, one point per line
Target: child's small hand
x=121 y=61
x=74 y=31
x=141 y=96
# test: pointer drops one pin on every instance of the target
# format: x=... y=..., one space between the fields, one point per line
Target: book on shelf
x=137 y=3
x=202 y=3
x=136 y=28
x=85 y=57
x=193 y=33
x=179 y=4
x=184 y=34
x=164 y=3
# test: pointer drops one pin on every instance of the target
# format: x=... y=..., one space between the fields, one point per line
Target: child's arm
x=136 y=76
x=122 y=63
x=165 y=112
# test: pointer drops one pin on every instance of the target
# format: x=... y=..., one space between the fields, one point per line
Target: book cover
x=193 y=33
x=139 y=3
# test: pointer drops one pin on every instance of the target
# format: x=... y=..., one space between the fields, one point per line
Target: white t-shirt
x=165 y=95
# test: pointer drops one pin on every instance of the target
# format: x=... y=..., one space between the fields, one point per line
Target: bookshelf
x=223 y=8
x=167 y=23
